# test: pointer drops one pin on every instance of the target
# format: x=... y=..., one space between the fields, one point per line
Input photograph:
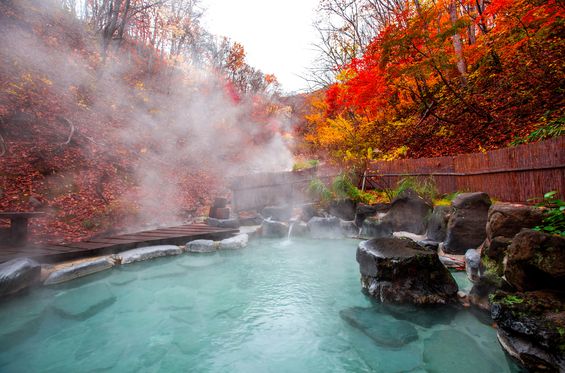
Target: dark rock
x=472 y=264
x=449 y=350
x=429 y=244
x=274 y=229
x=488 y=284
x=533 y=327
x=507 y=219
x=349 y=229
x=18 y=274
x=536 y=260
x=396 y=270
x=381 y=329
x=374 y=228
x=223 y=223
x=530 y=356
x=72 y=304
x=466 y=228
x=325 y=227
x=343 y=208
x=408 y=213
x=473 y=200
x=309 y=210
x=278 y=213
x=363 y=211
x=437 y=223
x=492 y=254
x=423 y=316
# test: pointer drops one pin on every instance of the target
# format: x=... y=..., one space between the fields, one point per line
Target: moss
x=512 y=299
x=491 y=267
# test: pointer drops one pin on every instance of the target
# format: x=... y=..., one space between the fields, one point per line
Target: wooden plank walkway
x=178 y=235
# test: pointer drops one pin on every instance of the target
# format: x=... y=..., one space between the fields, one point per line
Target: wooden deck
x=179 y=235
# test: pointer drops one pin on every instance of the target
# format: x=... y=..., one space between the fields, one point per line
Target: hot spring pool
x=273 y=307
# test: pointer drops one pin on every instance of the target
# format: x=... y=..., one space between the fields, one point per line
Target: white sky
x=277 y=34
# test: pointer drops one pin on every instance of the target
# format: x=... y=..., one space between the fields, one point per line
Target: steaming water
x=267 y=308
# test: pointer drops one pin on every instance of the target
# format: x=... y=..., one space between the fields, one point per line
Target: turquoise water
x=272 y=307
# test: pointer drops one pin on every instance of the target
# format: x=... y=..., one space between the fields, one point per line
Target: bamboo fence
x=515 y=174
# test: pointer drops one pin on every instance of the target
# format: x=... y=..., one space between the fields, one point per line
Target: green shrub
x=319 y=190
x=303 y=165
x=425 y=187
x=554 y=220
x=341 y=187
x=553 y=128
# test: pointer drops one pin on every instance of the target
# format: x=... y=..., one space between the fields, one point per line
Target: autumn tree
x=443 y=77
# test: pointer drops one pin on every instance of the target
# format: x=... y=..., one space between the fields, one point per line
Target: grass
x=304 y=165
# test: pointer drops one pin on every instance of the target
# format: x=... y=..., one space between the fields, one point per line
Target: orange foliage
x=412 y=94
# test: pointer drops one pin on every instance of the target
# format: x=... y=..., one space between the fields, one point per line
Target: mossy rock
x=537 y=317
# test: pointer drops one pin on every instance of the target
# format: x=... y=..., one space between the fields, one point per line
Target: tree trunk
x=458 y=44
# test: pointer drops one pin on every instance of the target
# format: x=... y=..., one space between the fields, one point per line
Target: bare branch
x=71 y=130
x=3 y=147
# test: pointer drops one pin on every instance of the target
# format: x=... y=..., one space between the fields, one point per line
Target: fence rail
x=512 y=174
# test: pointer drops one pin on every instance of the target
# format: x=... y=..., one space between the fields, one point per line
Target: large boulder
x=437 y=223
x=343 y=208
x=507 y=219
x=201 y=246
x=398 y=270
x=363 y=211
x=274 y=229
x=325 y=227
x=79 y=270
x=408 y=213
x=381 y=328
x=234 y=243
x=147 y=253
x=309 y=210
x=18 y=274
x=531 y=328
x=466 y=228
x=536 y=260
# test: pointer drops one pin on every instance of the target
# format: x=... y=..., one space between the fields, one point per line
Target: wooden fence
x=514 y=174
x=256 y=191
